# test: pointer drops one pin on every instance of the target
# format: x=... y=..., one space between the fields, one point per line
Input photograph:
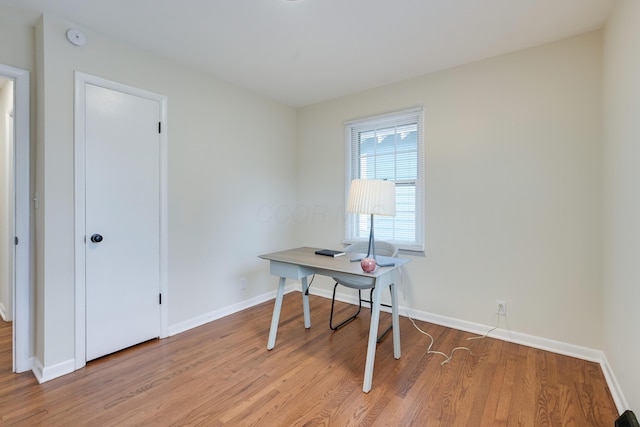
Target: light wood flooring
x=221 y=374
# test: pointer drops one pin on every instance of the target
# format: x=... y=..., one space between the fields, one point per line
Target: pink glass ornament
x=368 y=264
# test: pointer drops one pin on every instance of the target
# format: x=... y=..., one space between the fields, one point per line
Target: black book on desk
x=329 y=252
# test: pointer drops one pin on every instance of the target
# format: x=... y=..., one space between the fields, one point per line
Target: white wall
x=621 y=290
x=513 y=187
x=16 y=39
x=231 y=153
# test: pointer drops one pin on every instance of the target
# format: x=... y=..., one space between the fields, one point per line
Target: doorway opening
x=15 y=215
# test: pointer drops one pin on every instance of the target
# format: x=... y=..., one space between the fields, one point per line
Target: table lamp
x=372 y=197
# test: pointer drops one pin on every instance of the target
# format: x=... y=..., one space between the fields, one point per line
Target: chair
x=360 y=283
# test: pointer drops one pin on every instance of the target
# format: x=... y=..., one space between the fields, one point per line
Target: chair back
x=382 y=248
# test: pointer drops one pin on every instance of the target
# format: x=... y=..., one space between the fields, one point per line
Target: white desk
x=302 y=262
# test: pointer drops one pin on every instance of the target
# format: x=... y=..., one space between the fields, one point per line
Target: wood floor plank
x=501 y=389
x=221 y=374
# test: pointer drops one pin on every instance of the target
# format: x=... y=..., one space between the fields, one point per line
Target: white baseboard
x=614 y=386
x=225 y=311
x=559 y=347
x=48 y=373
x=44 y=374
x=533 y=341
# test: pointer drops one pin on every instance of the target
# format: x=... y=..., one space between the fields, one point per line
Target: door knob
x=96 y=238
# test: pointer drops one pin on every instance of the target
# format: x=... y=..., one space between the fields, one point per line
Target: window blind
x=389 y=147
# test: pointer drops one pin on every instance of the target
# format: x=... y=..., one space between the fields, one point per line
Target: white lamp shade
x=372 y=196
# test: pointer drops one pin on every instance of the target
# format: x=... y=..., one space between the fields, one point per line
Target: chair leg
x=386 y=331
x=344 y=322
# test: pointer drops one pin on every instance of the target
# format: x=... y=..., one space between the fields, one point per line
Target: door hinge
x=16 y=240
x=159 y=127
x=160 y=299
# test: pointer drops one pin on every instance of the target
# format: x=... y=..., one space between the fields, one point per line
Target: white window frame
x=398 y=118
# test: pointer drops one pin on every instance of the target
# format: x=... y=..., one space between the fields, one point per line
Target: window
x=389 y=147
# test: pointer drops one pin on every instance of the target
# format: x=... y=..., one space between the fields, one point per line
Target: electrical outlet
x=501 y=307
x=243 y=283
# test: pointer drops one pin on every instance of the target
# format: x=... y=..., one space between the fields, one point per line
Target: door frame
x=81 y=80
x=22 y=289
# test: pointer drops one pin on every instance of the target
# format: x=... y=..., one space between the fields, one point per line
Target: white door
x=122 y=226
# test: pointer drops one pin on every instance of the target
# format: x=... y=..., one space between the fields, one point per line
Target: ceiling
x=306 y=51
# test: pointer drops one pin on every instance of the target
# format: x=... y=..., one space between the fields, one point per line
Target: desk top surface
x=306 y=257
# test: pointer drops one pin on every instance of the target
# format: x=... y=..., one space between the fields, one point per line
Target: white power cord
x=429 y=350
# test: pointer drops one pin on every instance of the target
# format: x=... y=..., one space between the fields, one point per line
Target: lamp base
x=371 y=251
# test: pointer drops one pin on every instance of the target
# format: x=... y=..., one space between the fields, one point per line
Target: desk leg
x=395 y=321
x=276 y=315
x=373 y=338
x=305 y=304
